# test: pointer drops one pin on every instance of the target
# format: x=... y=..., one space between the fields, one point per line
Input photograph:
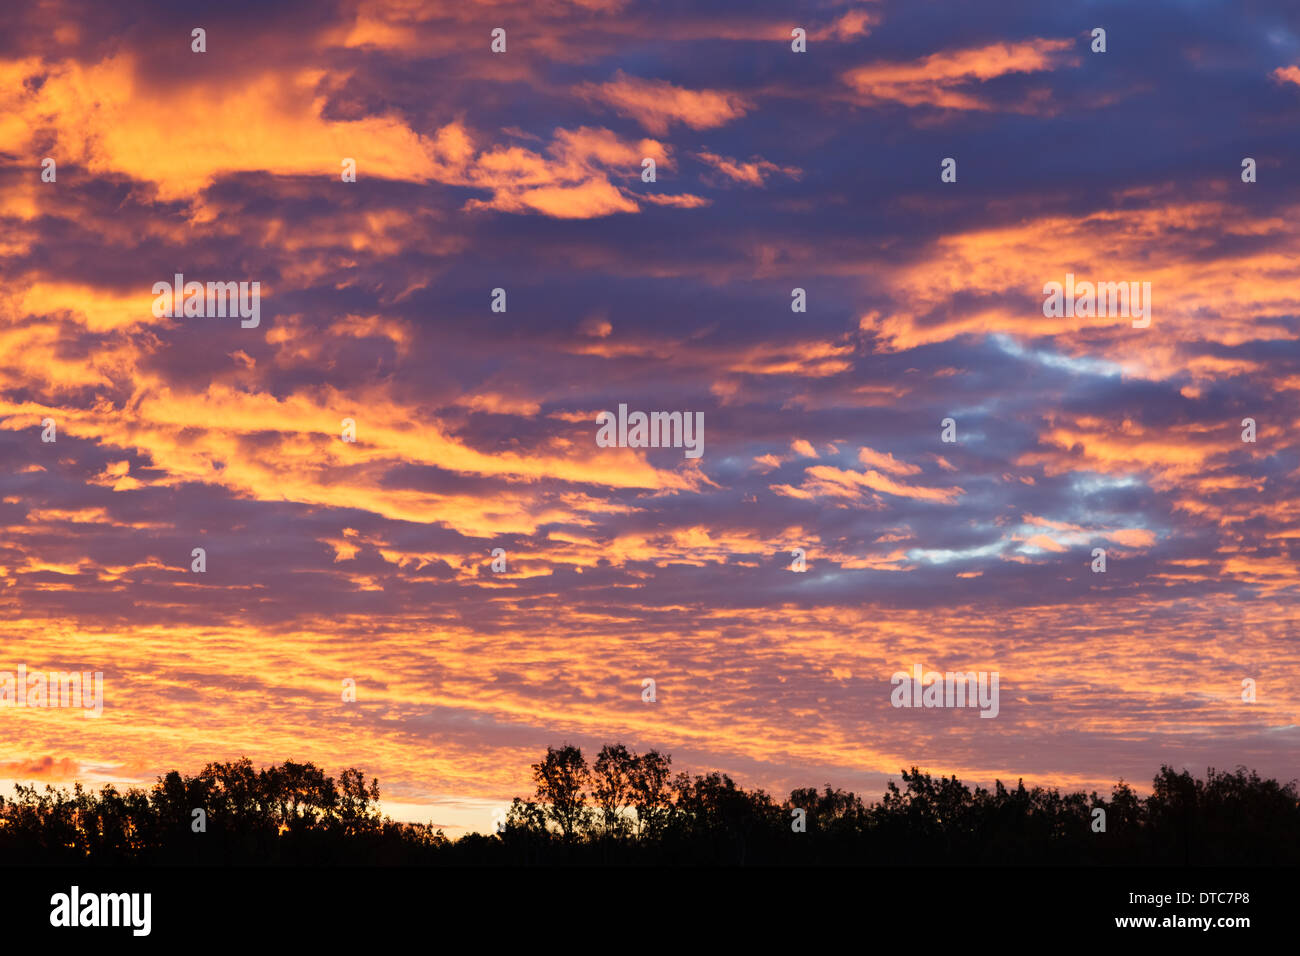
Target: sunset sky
x=371 y=560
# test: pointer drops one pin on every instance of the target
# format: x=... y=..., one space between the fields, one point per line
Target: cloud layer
x=475 y=429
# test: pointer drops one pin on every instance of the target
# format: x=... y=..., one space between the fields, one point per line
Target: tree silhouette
x=613 y=774
x=651 y=798
x=562 y=780
x=631 y=808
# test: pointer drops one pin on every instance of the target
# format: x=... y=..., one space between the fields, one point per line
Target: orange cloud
x=102 y=118
x=886 y=462
x=1287 y=74
x=827 y=481
x=680 y=200
x=1249 y=294
x=752 y=173
x=849 y=26
x=571 y=182
x=1133 y=537
x=658 y=104
x=1045 y=543
x=278 y=124
x=946 y=79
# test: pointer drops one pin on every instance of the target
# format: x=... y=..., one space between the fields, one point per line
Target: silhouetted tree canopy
x=629 y=808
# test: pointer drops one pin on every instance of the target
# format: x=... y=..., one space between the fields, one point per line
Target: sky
x=328 y=560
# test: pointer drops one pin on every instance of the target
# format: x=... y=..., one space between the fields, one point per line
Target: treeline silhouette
x=625 y=807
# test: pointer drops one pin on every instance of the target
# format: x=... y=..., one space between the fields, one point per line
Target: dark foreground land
x=625 y=808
